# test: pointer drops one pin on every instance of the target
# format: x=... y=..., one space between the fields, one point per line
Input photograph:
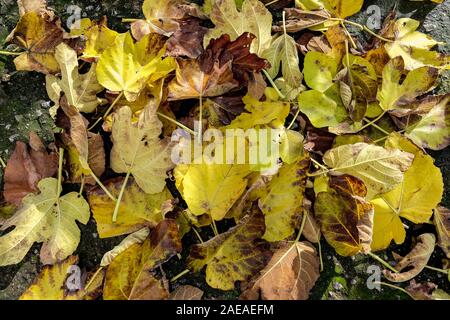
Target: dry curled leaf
x=26 y=167
x=415 y=261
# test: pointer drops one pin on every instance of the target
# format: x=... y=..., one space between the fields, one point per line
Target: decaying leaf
x=414 y=261
x=39 y=35
x=413 y=46
x=46 y=217
x=26 y=167
x=137 y=209
x=281 y=200
x=426 y=291
x=38 y=6
x=345 y=218
x=414 y=198
x=187 y=40
x=442 y=223
x=254 y=18
x=139 y=150
x=380 y=169
x=62 y=281
x=186 y=292
x=289 y=275
x=80 y=89
x=298 y=20
x=131 y=275
x=234 y=255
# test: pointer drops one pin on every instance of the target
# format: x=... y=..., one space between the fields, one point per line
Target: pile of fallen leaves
x=355 y=118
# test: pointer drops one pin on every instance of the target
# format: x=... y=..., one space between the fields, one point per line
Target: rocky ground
x=24 y=107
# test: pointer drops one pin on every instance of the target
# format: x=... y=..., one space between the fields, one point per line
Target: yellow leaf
x=261 y=113
x=39 y=35
x=397 y=93
x=340 y=8
x=346 y=219
x=62 y=281
x=98 y=38
x=131 y=275
x=232 y=256
x=138 y=149
x=212 y=188
x=137 y=209
x=45 y=217
x=281 y=200
x=413 y=199
x=128 y=67
x=80 y=90
x=254 y=18
x=414 y=47
x=380 y=169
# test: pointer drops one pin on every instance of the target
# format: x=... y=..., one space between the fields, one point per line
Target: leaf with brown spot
x=415 y=261
x=131 y=275
x=136 y=210
x=186 y=292
x=26 y=167
x=39 y=36
x=442 y=223
x=235 y=255
x=289 y=275
x=345 y=218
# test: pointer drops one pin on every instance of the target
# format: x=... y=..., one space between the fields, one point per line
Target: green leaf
x=319 y=71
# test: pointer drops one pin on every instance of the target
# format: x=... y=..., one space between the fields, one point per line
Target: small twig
x=60 y=168
x=129 y=20
x=82 y=185
x=371 y=122
x=349 y=36
x=320 y=256
x=321 y=166
x=293 y=120
x=214 y=227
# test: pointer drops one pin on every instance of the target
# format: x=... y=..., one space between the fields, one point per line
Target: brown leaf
x=186 y=292
x=289 y=275
x=421 y=291
x=311 y=230
x=38 y=6
x=187 y=40
x=415 y=261
x=298 y=20
x=26 y=167
x=442 y=223
x=39 y=35
x=227 y=108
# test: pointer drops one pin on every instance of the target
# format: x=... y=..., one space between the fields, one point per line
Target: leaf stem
x=376 y=126
x=200 y=124
x=107 y=111
x=372 y=122
x=82 y=185
x=103 y=186
x=293 y=120
x=384 y=263
x=361 y=27
x=438 y=270
x=119 y=198
x=394 y=287
x=320 y=256
x=197 y=234
x=129 y=20
x=60 y=168
x=178 y=276
x=214 y=227
x=349 y=36
x=273 y=84
x=3 y=164
x=10 y=53
x=86 y=287
x=321 y=166
x=302 y=226
x=177 y=123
